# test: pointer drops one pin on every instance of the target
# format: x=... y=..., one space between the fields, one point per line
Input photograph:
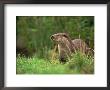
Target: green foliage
x=33 y=35
x=38 y=66
x=35 y=31
x=82 y=63
x=78 y=64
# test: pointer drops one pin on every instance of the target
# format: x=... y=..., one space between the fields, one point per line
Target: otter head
x=59 y=37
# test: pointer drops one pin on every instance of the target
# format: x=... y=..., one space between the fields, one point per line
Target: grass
x=38 y=66
x=77 y=64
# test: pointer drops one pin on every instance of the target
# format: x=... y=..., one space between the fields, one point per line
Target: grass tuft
x=78 y=64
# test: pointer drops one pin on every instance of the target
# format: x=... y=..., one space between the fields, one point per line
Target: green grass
x=33 y=37
x=38 y=66
x=77 y=64
x=82 y=63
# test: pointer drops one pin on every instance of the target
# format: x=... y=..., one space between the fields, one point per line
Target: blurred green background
x=33 y=32
x=34 y=43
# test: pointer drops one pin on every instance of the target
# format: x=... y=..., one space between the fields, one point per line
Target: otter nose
x=52 y=37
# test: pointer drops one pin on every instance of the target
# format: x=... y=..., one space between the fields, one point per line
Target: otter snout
x=52 y=37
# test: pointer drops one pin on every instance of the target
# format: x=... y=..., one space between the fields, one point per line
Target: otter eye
x=65 y=35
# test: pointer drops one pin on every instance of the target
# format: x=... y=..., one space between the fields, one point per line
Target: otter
x=66 y=46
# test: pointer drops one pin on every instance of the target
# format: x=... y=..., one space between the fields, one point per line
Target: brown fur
x=66 y=46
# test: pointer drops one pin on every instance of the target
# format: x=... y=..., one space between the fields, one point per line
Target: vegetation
x=35 y=50
x=78 y=64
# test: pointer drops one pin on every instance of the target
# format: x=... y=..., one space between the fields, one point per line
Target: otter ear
x=65 y=35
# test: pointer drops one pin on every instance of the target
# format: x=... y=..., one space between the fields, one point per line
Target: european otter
x=66 y=46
